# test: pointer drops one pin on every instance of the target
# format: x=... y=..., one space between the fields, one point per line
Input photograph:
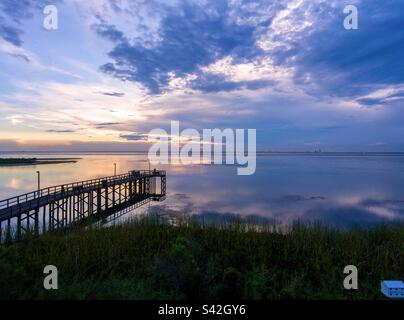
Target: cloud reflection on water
x=338 y=190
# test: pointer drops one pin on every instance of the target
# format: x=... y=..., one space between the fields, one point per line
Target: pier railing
x=60 y=206
x=77 y=186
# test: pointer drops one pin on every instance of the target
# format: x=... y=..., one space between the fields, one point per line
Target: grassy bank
x=146 y=259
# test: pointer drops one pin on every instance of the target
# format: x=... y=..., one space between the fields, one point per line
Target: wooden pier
x=59 y=206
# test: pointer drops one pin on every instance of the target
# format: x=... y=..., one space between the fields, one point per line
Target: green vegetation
x=9 y=161
x=34 y=161
x=149 y=259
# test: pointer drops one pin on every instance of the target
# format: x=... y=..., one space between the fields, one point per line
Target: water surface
x=340 y=190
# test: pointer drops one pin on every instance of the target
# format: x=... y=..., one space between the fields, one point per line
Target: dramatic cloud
x=349 y=63
x=215 y=83
x=287 y=68
x=12 y=13
x=371 y=101
x=11 y=34
x=192 y=36
x=109 y=32
x=307 y=37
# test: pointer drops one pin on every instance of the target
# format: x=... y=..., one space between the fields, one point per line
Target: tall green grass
x=148 y=259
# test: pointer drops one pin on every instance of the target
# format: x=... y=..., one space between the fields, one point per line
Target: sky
x=114 y=70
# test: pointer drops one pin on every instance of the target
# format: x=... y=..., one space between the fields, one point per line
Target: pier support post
x=19 y=226
x=99 y=209
x=78 y=201
x=106 y=198
x=130 y=189
x=113 y=196
x=36 y=222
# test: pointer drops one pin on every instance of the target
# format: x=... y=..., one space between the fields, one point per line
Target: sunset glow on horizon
x=115 y=70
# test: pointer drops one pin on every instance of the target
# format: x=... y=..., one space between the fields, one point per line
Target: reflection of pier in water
x=60 y=206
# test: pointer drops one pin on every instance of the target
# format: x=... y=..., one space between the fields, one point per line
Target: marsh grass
x=149 y=259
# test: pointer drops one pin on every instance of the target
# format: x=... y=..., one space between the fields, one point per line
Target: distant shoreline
x=259 y=153
x=13 y=162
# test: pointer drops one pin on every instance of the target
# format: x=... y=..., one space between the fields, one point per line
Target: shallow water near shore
x=341 y=190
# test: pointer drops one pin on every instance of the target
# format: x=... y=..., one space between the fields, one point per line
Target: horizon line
x=146 y=151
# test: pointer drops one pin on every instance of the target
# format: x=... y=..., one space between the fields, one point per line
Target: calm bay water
x=339 y=190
